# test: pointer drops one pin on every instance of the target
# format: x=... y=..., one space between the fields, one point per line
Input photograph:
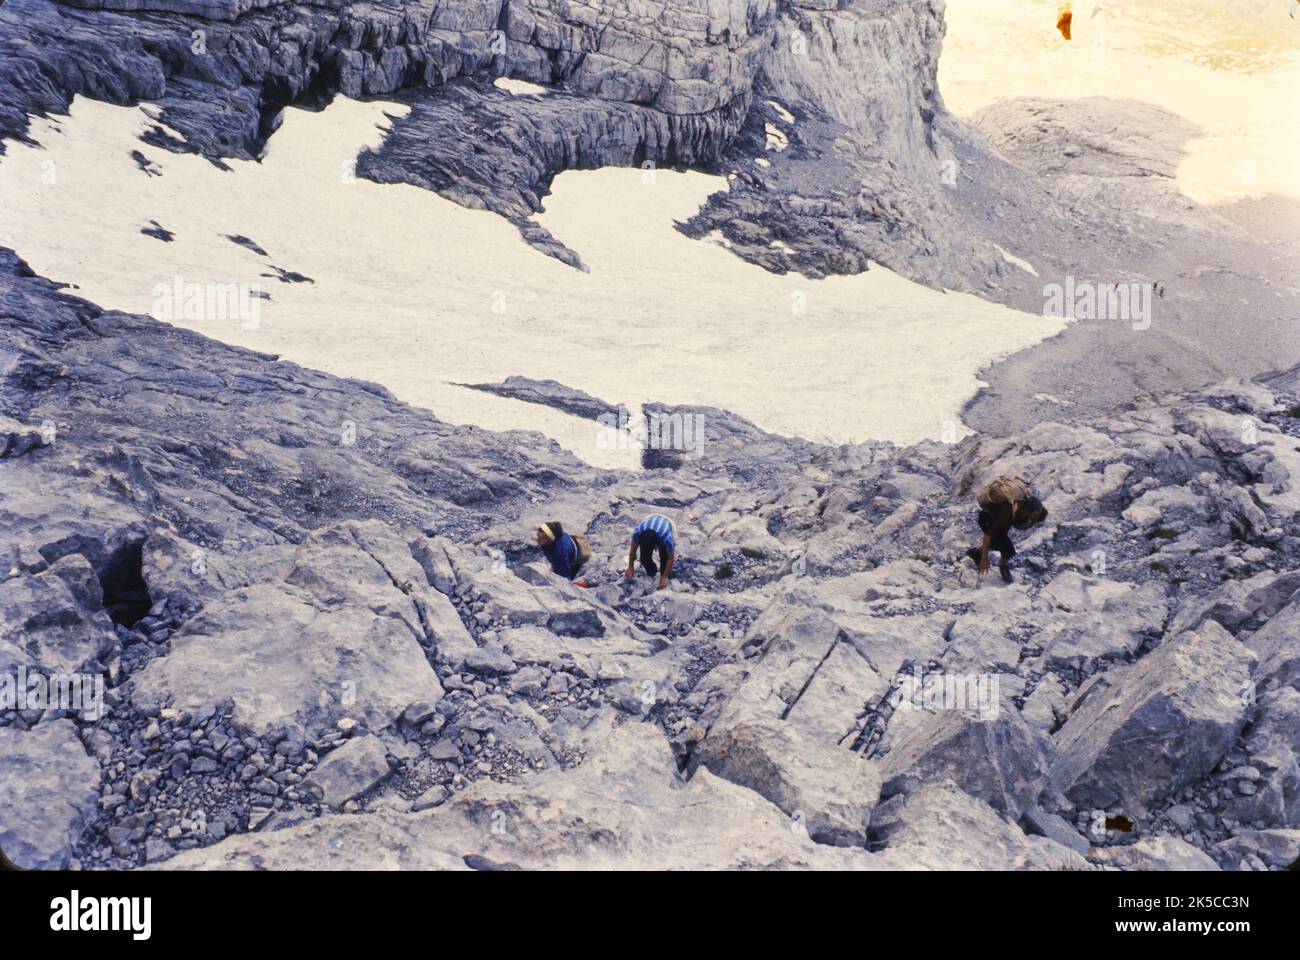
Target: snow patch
x=520 y=88
x=419 y=294
x=785 y=115
x=1012 y=259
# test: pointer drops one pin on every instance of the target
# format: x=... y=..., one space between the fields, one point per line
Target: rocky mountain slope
x=826 y=119
x=326 y=646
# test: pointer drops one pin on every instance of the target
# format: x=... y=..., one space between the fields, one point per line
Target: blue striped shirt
x=658 y=524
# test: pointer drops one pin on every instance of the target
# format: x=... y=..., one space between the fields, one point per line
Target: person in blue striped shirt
x=654 y=535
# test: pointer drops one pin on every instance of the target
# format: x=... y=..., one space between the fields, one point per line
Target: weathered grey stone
x=635 y=811
x=53 y=621
x=341 y=635
x=938 y=827
x=434 y=796
x=1273 y=742
x=1001 y=759
x=828 y=789
x=1164 y=722
x=48 y=788
x=17 y=439
x=1239 y=601
x=1275 y=643
x=1054 y=827
x=350 y=770
x=490 y=660
x=283 y=660
x=1154 y=853
x=1278 y=849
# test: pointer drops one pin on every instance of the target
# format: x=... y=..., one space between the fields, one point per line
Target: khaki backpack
x=1003 y=490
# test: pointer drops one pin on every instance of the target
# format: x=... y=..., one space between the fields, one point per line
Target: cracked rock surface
x=322 y=653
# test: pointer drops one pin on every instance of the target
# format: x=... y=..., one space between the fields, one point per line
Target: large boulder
x=1106 y=620
x=1156 y=726
x=53 y=621
x=1278 y=849
x=1279 y=654
x=939 y=827
x=1239 y=603
x=806 y=671
x=48 y=787
x=284 y=661
x=997 y=758
x=343 y=634
x=350 y=771
x=189 y=575
x=1272 y=743
x=510 y=599
x=830 y=789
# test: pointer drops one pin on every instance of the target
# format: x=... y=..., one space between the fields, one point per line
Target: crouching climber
x=1005 y=503
x=654 y=535
x=567 y=553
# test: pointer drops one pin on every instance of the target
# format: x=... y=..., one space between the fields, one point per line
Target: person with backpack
x=566 y=553
x=656 y=534
x=1005 y=503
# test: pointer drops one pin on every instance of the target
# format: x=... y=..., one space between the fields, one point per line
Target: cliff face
x=631 y=83
x=680 y=58
x=871 y=66
x=824 y=116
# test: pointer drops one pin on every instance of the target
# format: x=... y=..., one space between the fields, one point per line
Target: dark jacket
x=562 y=555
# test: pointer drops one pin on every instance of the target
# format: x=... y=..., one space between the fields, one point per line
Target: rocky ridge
x=325 y=648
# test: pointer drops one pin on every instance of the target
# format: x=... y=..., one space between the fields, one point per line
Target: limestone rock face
x=1278 y=849
x=47 y=794
x=1001 y=760
x=940 y=827
x=342 y=635
x=1161 y=724
x=624 y=806
x=206 y=9
x=54 y=620
x=350 y=770
x=826 y=789
x=1276 y=647
x=1158 y=853
x=678 y=82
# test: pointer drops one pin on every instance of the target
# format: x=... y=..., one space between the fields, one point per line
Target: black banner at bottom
x=337 y=909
